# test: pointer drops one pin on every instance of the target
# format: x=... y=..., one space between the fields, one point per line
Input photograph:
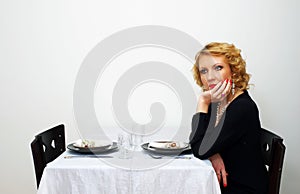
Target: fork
x=171 y=157
x=86 y=156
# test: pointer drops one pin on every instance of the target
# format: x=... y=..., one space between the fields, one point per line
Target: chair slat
x=44 y=152
x=273 y=158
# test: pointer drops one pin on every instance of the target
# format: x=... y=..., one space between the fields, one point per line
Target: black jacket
x=236 y=139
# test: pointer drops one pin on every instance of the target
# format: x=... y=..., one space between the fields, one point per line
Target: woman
x=226 y=127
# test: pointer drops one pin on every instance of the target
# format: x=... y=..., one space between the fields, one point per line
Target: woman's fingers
x=219 y=167
x=219 y=177
x=215 y=92
x=226 y=90
x=224 y=177
x=216 y=88
x=220 y=91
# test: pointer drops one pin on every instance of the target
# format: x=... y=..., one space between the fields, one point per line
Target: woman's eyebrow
x=218 y=63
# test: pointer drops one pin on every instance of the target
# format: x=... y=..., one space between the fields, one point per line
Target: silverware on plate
x=169 y=157
x=86 y=156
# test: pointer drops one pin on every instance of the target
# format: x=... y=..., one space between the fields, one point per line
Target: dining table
x=140 y=172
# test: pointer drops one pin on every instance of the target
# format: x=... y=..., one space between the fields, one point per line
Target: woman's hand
x=220 y=91
x=216 y=94
x=218 y=164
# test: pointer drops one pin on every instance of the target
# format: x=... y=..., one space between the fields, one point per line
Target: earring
x=233 y=88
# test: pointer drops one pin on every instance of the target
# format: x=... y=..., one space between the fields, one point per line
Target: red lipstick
x=211 y=86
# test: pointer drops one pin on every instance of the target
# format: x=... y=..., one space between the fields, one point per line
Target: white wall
x=43 y=43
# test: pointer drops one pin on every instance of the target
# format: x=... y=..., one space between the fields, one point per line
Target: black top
x=236 y=139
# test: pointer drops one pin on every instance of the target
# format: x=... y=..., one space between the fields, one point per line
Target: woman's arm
x=208 y=140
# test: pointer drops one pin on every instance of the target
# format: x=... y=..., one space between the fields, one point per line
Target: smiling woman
x=226 y=127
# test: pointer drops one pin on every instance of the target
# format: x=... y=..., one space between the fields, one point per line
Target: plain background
x=43 y=43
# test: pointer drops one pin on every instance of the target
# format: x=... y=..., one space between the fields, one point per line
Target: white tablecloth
x=123 y=176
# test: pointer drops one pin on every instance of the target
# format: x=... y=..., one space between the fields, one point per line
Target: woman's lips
x=211 y=86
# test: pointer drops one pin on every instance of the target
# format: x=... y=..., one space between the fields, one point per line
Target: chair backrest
x=47 y=146
x=273 y=151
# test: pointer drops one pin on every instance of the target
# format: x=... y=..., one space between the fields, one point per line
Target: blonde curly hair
x=232 y=56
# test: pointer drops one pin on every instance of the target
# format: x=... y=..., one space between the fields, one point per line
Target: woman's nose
x=210 y=76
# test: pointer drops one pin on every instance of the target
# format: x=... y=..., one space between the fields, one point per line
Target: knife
x=86 y=156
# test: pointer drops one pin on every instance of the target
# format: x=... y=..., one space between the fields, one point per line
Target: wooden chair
x=47 y=146
x=273 y=151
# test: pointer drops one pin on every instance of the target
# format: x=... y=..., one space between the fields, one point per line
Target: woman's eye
x=203 y=71
x=218 y=68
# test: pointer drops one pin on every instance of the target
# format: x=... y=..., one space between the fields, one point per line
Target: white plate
x=91 y=143
x=168 y=145
x=95 y=150
x=166 y=151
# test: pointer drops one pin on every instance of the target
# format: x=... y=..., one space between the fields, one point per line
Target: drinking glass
x=123 y=144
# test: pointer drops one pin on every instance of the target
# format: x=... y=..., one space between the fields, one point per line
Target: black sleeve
x=209 y=140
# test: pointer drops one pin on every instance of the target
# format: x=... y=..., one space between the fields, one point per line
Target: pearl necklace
x=220 y=112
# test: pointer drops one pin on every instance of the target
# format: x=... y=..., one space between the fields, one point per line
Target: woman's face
x=213 y=69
